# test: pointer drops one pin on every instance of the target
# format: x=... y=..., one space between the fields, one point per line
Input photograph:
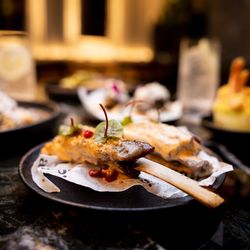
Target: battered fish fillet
x=170 y=143
x=78 y=149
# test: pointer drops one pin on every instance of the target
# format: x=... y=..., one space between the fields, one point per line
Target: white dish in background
x=91 y=100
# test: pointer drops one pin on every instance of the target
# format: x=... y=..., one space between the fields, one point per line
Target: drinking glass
x=17 y=67
x=198 y=75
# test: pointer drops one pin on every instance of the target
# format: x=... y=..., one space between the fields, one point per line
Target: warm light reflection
x=94 y=50
x=36 y=19
x=129 y=23
x=72 y=15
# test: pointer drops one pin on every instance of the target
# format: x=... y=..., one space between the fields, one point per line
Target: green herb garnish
x=107 y=129
x=115 y=130
x=66 y=130
x=126 y=120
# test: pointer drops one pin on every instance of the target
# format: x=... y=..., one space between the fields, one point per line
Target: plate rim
x=208 y=123
x=180 y=201
x=55 y=113
x=53 y=87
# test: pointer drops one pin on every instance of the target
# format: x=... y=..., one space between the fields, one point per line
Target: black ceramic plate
x=236 y=141
x=25 y=135
x=208 y=123
x=133 y=199
x=57 y=93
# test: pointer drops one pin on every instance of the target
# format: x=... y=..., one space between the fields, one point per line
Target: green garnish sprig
x=128 y=119
x=73 y=129
x=107 y=129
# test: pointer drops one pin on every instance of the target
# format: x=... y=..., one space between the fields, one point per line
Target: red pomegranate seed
x=111 y=175
x=87 y=134
x=96 y=173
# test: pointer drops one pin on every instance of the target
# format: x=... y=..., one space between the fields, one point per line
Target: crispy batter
x=78 y=149
x=170 y=143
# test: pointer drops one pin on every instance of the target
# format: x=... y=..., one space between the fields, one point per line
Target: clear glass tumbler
x=17 y=67
x=198 y=76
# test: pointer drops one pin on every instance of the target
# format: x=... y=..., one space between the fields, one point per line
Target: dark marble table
x=28 y=221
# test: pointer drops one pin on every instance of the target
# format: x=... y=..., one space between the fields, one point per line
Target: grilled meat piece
x=78 y=149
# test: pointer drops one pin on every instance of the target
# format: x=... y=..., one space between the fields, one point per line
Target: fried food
x=171 y=144
x=231 y=109
x=78 y=149
x=168 y=141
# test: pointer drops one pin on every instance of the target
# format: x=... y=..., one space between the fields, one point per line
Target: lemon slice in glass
x=15 y=62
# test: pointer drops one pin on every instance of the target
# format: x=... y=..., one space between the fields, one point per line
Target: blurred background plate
x=236 y=141
x=22 y=138
x=91 y=100
x=58 y=93
x=171 y=116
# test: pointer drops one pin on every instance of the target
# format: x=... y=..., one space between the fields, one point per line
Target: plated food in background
x=231 y=109
x=88 y=79
x=13 y=115
x=24 y=123
x=110 y=158
x=153 y=94
x=235 y=141
x=229 y=121
x=113 y=95
x=154 y=103
x=148 y=102
x=65 y=89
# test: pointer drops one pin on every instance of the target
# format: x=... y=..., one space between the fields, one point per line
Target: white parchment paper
x=78 y=174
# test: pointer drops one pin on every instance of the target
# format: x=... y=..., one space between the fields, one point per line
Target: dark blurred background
x=133 y=39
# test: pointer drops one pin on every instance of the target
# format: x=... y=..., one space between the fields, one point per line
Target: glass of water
x=17 y=67
x=198 y=75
